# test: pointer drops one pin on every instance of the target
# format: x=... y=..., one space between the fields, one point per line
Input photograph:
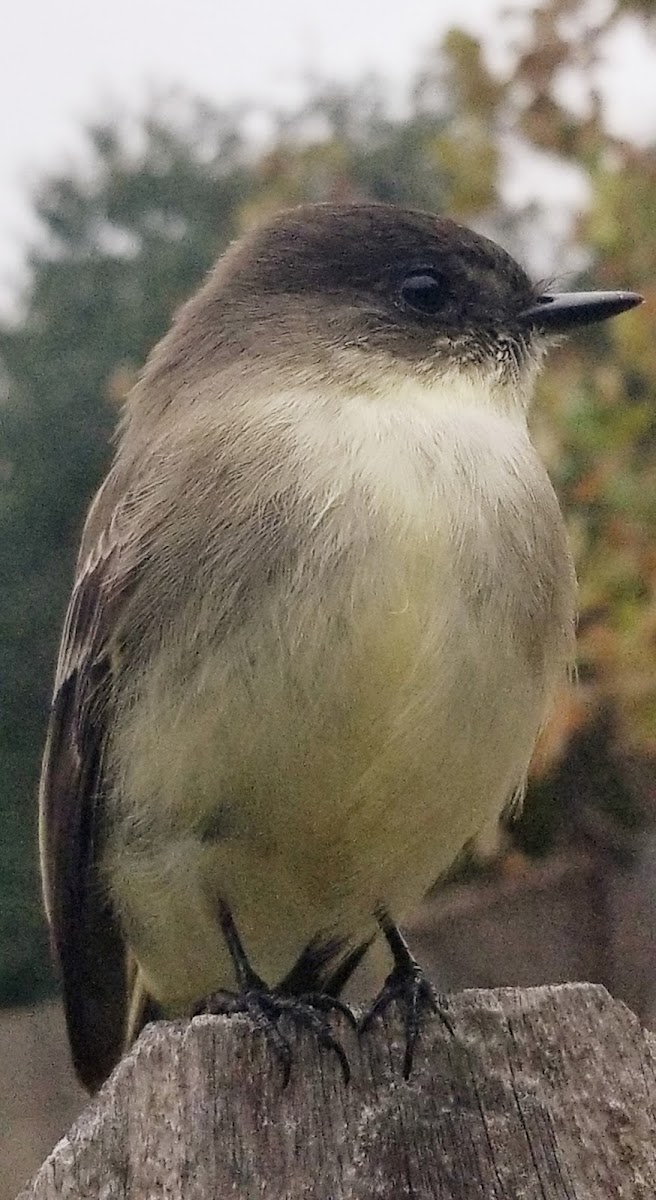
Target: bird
x=322 y=605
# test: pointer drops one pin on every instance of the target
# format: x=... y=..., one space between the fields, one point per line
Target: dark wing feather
x=86 y=938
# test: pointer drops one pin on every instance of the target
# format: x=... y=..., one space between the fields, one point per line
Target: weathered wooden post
x=542 y=1094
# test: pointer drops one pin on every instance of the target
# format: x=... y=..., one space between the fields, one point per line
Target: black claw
x=416 y=996
x=330 y=1004
x=266 y=1008
x=308 y=1007
x=407 y=986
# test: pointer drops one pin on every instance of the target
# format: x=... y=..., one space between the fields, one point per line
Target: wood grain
x=543 y=1094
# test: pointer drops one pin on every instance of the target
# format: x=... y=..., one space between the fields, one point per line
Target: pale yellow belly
x=327 y=763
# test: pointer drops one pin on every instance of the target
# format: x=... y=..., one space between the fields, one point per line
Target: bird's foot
x=410 y=989
x=416 y=996
x=310 y=1011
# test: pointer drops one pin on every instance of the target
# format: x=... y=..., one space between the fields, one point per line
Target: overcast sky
x=63 y=62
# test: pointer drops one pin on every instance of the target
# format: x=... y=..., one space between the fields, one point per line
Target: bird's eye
x=424 y=292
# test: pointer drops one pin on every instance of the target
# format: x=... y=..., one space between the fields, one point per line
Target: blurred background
x=136 y=141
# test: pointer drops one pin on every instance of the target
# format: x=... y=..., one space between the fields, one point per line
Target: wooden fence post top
x=542 y=1094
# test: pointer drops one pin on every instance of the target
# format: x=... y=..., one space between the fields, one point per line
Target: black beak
x=558 y=312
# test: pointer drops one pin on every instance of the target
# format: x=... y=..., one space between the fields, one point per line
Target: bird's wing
x=86 y=938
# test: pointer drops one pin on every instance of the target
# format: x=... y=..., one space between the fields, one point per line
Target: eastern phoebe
x=322 y=603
